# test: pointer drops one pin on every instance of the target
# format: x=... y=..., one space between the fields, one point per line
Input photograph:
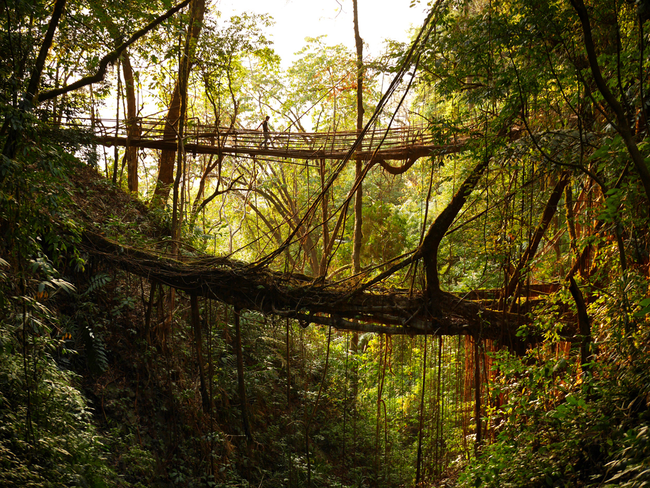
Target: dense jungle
x=424 y=268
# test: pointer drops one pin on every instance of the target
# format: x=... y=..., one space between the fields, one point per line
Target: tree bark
x=168 y=156
x=358 y=198
x=133 y=129
x=428 y=250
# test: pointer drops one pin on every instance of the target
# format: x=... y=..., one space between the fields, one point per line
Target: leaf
x=64 y=285
x=645 y=308
x=571 y=400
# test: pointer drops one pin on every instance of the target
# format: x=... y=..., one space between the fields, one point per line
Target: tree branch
x=429 y=248
x=45 y=49
x=623 y=127
x=547 y=216
x=111 y=57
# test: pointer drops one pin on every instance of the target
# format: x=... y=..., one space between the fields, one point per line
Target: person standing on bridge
x=265 y=127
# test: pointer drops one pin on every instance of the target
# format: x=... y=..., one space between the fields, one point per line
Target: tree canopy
x=477 y=314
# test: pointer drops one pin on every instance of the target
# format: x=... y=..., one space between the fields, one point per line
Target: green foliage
x=510 y=75
x=46 y=436
x=84 y=326
x=630 y=466
x=566 y=425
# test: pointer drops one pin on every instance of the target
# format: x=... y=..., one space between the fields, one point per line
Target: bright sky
x=297 y=19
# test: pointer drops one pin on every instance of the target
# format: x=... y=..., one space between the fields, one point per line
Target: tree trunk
x=325 y=215
x=623 y=125
x=198 y=343
x=358 y=199
x=240 y=376
x=116 y=149
x=168 y=156
x=178 y=209
x=133 y=129
x=477 y=396
x=429 y=248
x=583 y=323
x=570 y=219
x=418 y=462
x=14 y=134
x=547 y=216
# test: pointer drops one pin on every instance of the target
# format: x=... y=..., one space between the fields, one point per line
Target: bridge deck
x=398 y=143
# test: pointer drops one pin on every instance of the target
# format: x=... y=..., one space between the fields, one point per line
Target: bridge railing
x=197 y=132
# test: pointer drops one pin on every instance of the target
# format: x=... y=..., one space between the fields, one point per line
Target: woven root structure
x=312 y=301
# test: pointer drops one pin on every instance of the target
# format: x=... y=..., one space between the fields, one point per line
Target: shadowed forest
x=424 y=268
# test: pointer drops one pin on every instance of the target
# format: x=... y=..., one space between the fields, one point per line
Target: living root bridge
x=412 y=151
x=299 y=297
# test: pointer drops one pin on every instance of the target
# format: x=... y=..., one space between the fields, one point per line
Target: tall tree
x=358 y=198
x=222 y=64
x=622 y=119
x=168 y=158
x=133 y=128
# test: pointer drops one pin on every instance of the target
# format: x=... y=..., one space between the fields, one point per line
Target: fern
x=95 y=349
x=84 y=324
x=97 y=282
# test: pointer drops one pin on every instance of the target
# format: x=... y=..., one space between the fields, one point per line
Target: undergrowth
x=563 y=424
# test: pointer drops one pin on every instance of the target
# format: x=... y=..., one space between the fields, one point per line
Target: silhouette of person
x=265 y=127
